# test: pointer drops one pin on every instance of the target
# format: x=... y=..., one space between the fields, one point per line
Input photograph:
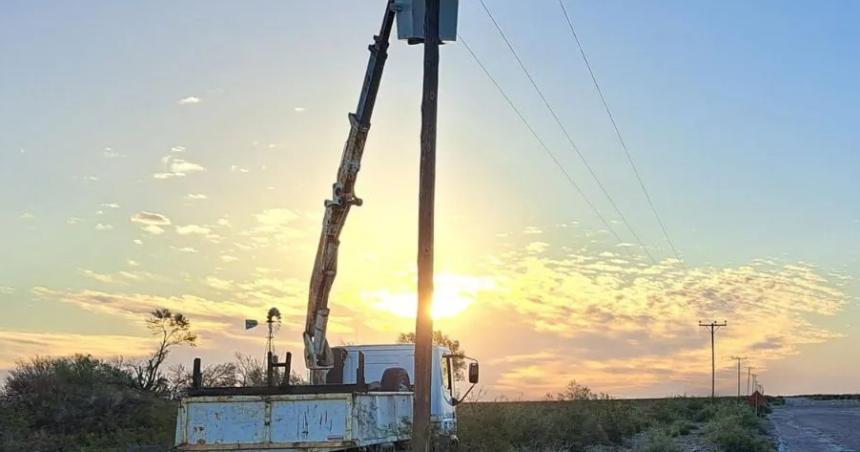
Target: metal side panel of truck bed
x=293 y=422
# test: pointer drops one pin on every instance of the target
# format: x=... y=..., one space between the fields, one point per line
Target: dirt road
x=806 y=425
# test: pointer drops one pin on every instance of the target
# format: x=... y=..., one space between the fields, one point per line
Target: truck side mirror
x=473 y=373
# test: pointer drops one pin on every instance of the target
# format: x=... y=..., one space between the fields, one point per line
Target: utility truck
x=360 y=397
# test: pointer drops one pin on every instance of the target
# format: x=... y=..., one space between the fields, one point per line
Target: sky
x=166 y=154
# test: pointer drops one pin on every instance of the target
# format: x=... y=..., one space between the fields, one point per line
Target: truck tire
x=395 y=379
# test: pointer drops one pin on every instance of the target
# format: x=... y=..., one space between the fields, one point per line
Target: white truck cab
x=381 y=358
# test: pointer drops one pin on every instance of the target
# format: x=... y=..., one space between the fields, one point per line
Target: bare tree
x=251 y=370
x=173 y=329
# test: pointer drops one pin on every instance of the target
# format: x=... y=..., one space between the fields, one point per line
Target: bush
x=681 y=428
x=52 y=403
x=735 y=428
x=658 y=441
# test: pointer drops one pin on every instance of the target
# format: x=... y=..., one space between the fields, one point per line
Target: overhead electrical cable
x=567 y=134
x=617 y=130
x=539 y=140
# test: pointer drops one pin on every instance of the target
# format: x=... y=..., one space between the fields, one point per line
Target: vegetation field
x=85 y=404
x=658 y=425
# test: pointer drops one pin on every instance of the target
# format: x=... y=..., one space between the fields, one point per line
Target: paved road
x=805 y=425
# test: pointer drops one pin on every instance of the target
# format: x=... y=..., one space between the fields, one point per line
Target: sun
x=452 y=295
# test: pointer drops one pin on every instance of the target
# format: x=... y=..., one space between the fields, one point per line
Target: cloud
x=195 y=196
x=276 y=226
x=100 y=277
x=151 y=222
x=27 y=216
x=104 y=227
x=111 y=154
x=21 y=345
x=6 y=290
x=206 y=315
x=217 y=283
x=177 y=149
x=73 y=220
x=145 y=217
x=177 y=167
x=614 y=318
x=532 y=230
x=110 y=205
x=299 y=109
x=193 y=229
x=238 y=169
x=184 y=249
x=228 y=258
x=189 y=100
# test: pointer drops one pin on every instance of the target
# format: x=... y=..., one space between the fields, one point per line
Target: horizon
x=178 y=155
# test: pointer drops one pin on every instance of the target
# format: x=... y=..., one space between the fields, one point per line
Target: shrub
x=735 y=428
x=658 y=441
x=51 y=403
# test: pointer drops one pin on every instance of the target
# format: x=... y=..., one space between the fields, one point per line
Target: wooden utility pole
x=421 y=438
x=739 y=359
x=713 y=326
x=749 y=372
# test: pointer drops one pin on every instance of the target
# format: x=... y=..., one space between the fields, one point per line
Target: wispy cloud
x=103 y=227
x=27 y=216
x=152 y=223
x=195 y=196
x=177 y=167
x=190 y=229
x=190 y=100
x=110 y=153
x=18 y=345
x=620 y=318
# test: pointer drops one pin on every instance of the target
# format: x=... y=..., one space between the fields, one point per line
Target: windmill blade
x=249 y=323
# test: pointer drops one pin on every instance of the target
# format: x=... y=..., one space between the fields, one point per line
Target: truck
x=359 y=397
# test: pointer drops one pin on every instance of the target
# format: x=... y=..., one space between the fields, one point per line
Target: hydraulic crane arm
x=318 y=355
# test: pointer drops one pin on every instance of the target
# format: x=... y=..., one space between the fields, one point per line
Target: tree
x=173 y=329
x=575 y=391
x=443 y=340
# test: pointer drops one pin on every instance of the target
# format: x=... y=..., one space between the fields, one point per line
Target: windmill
x=273 y=321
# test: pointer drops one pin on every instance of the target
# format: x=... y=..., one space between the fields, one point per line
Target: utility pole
x=739 y=359
x=713 y=326
x=426 y=198
x=749 y=371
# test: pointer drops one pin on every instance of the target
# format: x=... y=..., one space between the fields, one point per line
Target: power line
x=567 y=135
x=538 y=138
x=617 y=130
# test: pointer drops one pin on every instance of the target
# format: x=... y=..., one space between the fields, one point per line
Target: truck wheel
x=395 y=379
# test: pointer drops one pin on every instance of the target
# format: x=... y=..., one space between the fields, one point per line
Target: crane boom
x=318 y=355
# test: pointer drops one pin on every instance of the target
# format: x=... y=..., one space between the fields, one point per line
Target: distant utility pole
x=754 y=382
x=713 y=326
x=421 y=440
x=749 y=371
x=739 y=359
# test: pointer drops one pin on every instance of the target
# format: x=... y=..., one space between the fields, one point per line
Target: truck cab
x=391 y=367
